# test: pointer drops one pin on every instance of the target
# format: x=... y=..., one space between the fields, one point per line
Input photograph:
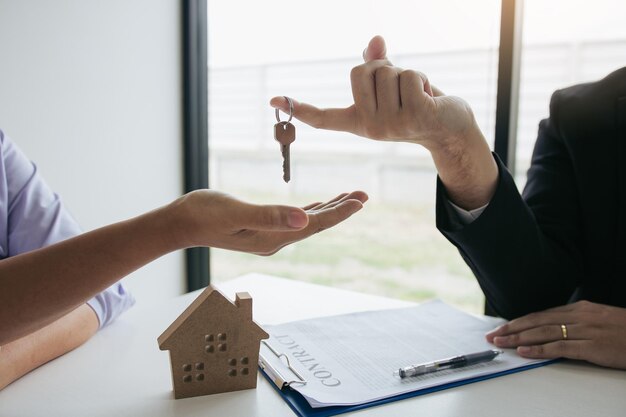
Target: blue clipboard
x=301 y=407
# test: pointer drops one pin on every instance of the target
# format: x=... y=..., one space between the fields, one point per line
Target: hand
x=391 y=104
x=595 y=333
x=107 y=254
x=211 y=218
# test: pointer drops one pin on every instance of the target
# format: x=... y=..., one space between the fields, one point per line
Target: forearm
x=23 y=355
x=512 y=253
x=467 y=169
x=41 y=286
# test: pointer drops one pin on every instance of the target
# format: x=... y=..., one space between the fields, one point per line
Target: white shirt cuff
x=466 y=217
x=110 y=303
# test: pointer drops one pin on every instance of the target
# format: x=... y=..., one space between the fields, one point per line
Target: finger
x=376 y=49
x=310 y=206
x=351 y=196
x=413 y=84
x=539 y=335
x=317 y=222
x=577 y=306
x=330 y=119
x=337 y=198
x=531 y=321
x=572 y=349
x=364 y=85
x=388 y=89
x=412 y=91
x=354 y=195
x=327 y=218
x=436 y=91
x=427 y=87
x=270 y=217
x=430 y=89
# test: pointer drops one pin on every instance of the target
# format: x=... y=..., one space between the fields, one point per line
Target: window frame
x=195 y=124
x=195 y=108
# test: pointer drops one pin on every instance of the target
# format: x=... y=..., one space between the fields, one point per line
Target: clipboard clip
x=275 y=374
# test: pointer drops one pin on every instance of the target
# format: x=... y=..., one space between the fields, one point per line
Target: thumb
x=273 y=217
x=376 y=49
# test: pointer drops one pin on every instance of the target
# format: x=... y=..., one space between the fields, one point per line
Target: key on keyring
x=285 y=134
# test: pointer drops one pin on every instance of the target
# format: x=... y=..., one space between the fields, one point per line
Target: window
x=306 y=50
x=565 y=42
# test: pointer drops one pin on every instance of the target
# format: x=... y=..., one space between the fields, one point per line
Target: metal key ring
x=290 y=111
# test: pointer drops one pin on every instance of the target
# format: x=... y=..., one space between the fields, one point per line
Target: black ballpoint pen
x=450 y=363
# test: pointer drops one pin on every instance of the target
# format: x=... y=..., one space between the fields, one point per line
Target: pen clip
x=274 y=373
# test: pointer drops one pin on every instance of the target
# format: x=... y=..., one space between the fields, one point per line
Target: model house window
x=306 y=50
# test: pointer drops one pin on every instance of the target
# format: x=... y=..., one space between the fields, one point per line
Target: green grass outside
x=389 y=250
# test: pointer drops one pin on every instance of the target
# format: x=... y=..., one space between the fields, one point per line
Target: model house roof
x=241 y=310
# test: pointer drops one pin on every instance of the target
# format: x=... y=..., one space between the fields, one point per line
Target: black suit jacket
x=564 y=238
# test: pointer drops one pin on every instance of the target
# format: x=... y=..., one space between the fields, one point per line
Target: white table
x=122 y=372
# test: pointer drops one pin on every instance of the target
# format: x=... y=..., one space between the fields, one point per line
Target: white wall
x=91 y=91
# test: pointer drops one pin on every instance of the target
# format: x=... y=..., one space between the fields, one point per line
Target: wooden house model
x=214 y=345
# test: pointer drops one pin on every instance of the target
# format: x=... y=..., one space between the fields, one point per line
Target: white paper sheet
x=350 y=359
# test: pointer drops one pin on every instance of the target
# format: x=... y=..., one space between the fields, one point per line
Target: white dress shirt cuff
x=466 y=217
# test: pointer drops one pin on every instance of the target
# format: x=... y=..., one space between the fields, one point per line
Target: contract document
x=350 y=359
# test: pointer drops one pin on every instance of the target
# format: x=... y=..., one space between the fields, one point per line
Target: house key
x=285 y=134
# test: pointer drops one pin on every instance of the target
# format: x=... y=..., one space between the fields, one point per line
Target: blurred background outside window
x=565 y=42
x=306 y=50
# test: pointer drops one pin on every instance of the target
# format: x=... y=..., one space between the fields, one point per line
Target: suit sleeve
x=35 y=217
x=525 y=250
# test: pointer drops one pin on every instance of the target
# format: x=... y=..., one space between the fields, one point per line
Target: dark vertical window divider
x=507 y=100
x=195 y=123
x=508 y=81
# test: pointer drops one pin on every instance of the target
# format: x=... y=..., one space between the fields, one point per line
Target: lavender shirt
x=32 y=216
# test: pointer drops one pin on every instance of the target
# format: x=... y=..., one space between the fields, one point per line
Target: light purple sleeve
x=32 y=216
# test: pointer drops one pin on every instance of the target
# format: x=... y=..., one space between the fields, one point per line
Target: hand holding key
x=390 y=104
x=285 y=134
x=393 y=104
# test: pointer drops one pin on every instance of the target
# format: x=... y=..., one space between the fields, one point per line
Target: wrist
x=459 y=150
x=452 y=126
x=185 y=219
x=467 y=169
x=164 y=228
x=173 y=223
x=452 y=143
